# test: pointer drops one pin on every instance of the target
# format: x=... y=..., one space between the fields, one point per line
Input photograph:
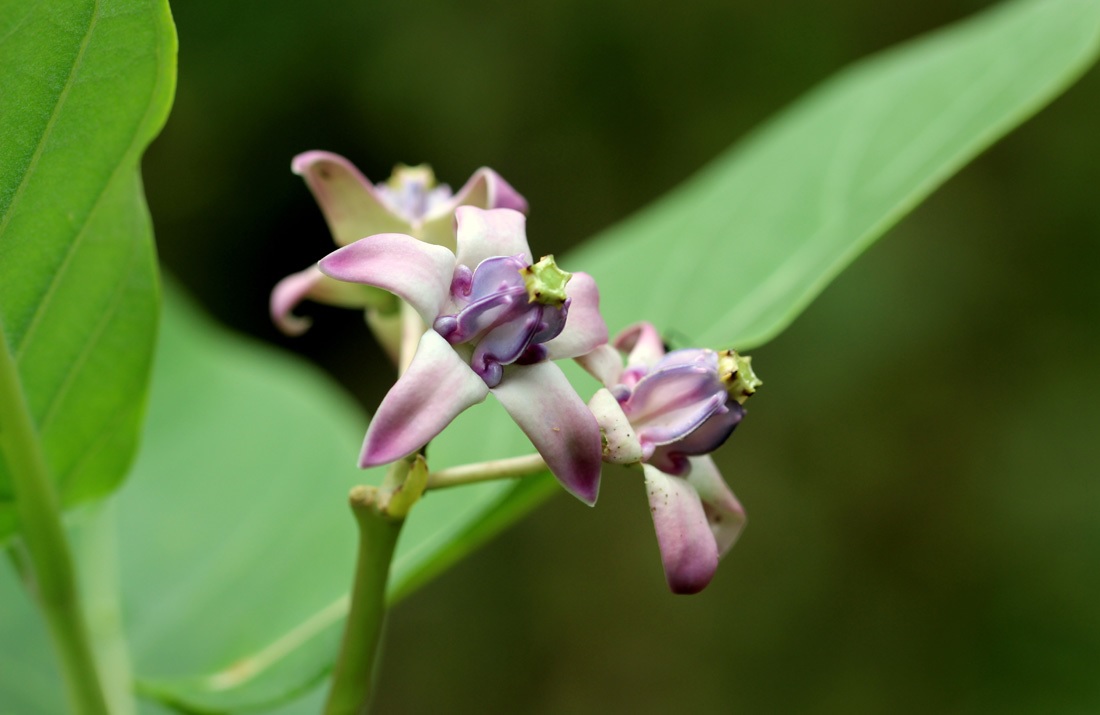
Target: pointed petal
x=545 y=406
x=485 y=190
x=688 y=550
x=620 y=442
x=348 y=200
x=642 y=343
x=417 y=272
x=484 y=234
x=584 y=329
x=313 y=284
x=605 y=363
x=724 y=512
x=437 y=386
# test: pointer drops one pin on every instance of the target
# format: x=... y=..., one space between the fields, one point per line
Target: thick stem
x=510 y=468
x=353 y=678
x=51 y=563
x=97 y=550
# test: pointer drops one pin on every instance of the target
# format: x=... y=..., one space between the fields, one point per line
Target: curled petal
x=620 y=442
x=545 y=406
x=707 y=437
x=676 y=387
x=484 y=234
x=288 y=293
x=724 y=512
x=313 y=284
x=585 y=330
x=503 y=345
x=688 y=549
x=348 y=200
x=485 y=190
x=642 y=343
x=674 y=426
x=417 y=272
x=437 y=387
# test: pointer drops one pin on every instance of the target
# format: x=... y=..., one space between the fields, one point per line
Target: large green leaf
x=85 y=86
x=237 y=542
x=734 y=254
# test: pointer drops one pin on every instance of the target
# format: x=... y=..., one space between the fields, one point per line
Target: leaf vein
x=36 y=318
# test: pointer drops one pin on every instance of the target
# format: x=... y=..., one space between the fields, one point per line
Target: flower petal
x=620 y=442
x=485 y=190
x=287 y=294
x=484 y=234
x=502 y=346
x=417 y=272
x=313 y=284
x=724 y=512
x=437 y=386
x=488 y=190
x=672 y=457
x=584 y=329
x=642 y=343
x=348 y=200
x=687 y=385
x=605 y=363
x=545 y=406
x=688 y=549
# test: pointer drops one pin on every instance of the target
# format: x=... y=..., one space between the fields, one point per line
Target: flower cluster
x=668 y=412
x=491 y=319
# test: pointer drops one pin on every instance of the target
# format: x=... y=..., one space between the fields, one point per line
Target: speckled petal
x=545 y=406
x=437 y=387
x=484 y=234
x=724 y=512
x=688 y=549
x=620 y=442
x=585 y=330
x=417 y=272
x=348 y=200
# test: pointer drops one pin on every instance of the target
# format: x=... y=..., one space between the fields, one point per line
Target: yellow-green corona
x=545 y=282
x=736 y=372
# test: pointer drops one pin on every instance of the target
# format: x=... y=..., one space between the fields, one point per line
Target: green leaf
x=87 y=85
x=737 y=252
x=237 y=546
x=230 y=522
x=29 y=679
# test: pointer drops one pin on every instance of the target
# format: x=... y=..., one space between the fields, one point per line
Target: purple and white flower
x=410 y=202
x=668 y=412
x=495 y=322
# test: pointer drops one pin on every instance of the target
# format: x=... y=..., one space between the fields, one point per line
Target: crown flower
x=409 y=202
x=492 y=328
x=668 y=412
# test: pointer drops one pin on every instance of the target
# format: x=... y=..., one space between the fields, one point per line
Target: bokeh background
x=921 y=468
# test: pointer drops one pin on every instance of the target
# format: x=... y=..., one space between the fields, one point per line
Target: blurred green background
x=920 y=469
